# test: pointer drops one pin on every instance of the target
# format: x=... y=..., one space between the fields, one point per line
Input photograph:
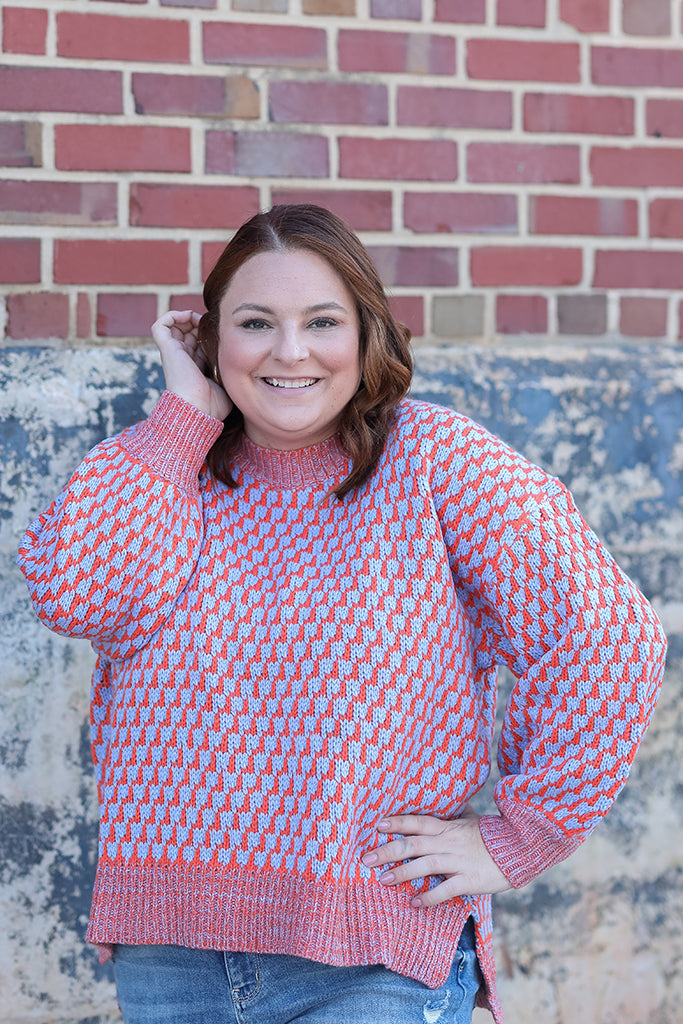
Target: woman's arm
x=588 y=653
x=109 y=558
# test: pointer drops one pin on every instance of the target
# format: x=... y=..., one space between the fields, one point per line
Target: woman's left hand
x=453 y=849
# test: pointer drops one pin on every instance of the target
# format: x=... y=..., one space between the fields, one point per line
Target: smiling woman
x=300 y=584
x=289 y=361
x=310 y=258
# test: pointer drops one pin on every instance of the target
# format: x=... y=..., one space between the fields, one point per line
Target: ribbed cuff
x=174 y=440
x=524 y=851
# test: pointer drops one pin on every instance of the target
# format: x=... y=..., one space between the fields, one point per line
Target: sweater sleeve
x=109 y=558
x=585 y=646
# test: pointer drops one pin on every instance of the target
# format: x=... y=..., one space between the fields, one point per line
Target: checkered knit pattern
x=278 y=669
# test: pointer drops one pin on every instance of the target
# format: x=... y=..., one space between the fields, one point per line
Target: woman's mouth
x=283 y=382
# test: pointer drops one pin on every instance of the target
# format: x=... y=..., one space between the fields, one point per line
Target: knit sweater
x=278 y=669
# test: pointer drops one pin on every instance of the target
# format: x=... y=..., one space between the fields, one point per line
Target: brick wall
x=515 y=166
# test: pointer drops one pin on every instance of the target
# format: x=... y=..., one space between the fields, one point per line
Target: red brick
x=586 y=15
x=267 y=154
x=409 y=310
x=79 y=90
x=521 y=61
x=665 y=118
x=188 y=300
x=503 y=266
x=470 y=12
x=460 y=212
x=414 y=52
x=646 y=17
x=643 y=317
x=666 y=218
x=208 y=4
x=630 y=65
x=192 y=206
x=408 y=9
x=519 y=162
x=112 y=37
x=398 y=159
x=57 y=202
x=525 y=13
x=582 y=314
x=20 y=144
x=413 y=265
x=628 y=268
x=83 y=315
x=361 y=210
x=338 y=7
x=329 y=102
x=274 y=45
x=198 y=95
x=582 y=215
x=637 y=166
x=210 y=253
x=108 y=147
x=24 y=30
x=19 y=260
x=34 y=315
x=521 y=314
x=583 y=115
x=261 y=6
x=125 y=315
x=441 y=107
x=119 y=261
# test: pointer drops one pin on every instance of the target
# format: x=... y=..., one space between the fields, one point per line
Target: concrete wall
x=597 y=939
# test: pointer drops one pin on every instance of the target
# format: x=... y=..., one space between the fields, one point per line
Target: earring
x=216 y=376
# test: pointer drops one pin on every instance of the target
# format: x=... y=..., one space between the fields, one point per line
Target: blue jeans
x=177 y=985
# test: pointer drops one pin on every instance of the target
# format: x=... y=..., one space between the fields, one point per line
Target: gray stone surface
x=598 y=938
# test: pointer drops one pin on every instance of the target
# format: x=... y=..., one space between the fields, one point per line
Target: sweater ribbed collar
x=320 y=464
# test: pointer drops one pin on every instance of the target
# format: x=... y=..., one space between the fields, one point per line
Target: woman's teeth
x=275 y=382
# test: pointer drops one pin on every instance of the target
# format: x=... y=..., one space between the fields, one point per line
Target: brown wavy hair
x=385 y=359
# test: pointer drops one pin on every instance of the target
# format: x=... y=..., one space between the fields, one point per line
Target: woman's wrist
x=174 y=440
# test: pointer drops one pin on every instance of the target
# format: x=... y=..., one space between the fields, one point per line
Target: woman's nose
x=289 y=345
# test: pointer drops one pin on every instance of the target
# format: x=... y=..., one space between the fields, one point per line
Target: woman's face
x=288 y=350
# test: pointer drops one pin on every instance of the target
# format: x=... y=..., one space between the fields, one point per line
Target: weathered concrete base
x=597 y=939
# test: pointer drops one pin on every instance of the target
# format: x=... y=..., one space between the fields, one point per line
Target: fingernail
x=369 y=859
x=416 y=901
x=388 y=878
x=383 y=825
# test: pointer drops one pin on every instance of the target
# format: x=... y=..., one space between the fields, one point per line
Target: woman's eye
x=255 y=324
x=323 y=321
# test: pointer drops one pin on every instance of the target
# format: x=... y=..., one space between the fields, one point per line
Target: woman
x=299 y=584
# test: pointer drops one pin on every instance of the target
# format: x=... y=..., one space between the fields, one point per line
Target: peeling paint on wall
x=598 y=938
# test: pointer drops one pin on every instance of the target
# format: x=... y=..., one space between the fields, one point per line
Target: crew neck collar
x=320 y=464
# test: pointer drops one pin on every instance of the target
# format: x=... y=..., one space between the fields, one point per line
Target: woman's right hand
x=185 y=368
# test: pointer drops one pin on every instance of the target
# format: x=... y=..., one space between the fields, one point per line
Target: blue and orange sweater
x=278 y=669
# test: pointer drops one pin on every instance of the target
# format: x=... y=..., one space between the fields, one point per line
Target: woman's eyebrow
x=252 y=305
x=309 y=309
x=325 y=305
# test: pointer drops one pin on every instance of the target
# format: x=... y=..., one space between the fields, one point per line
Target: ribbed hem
x=174 y=440
x=341 y=924
x=523 y=853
